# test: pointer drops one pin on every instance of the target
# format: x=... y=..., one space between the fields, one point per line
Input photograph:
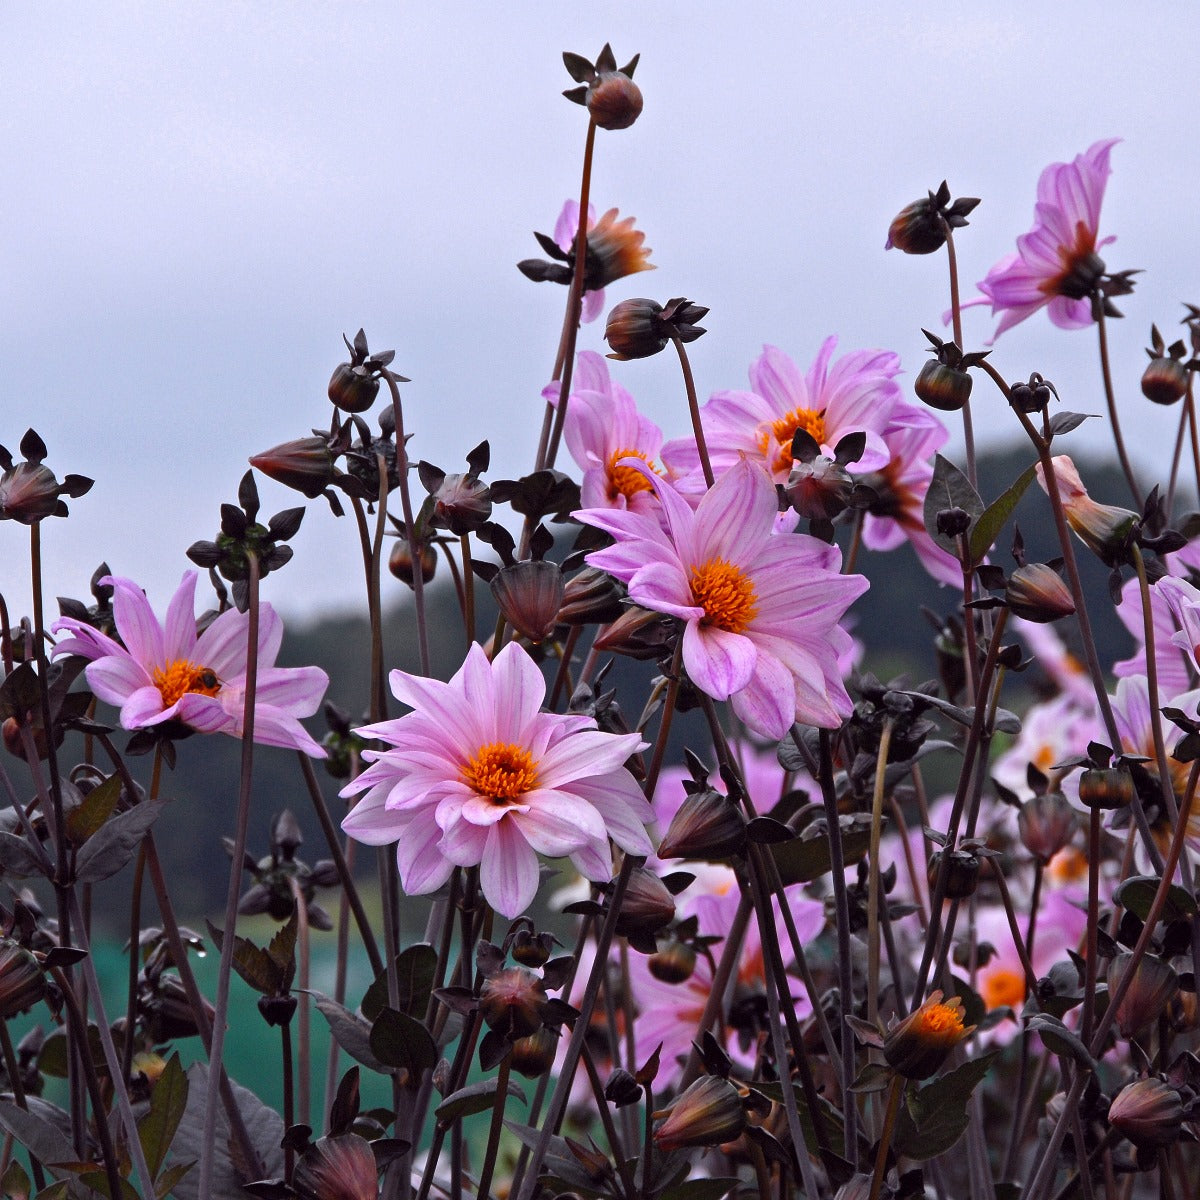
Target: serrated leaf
x=113 y=845
x=416 y=968
x=1137 y=895
x=991 y=520
x=255 y=966
x=402 y=1042
x=168 y=1101
x=476 y=1098
x=949 y=488
x=86 y=818
x=282 y=951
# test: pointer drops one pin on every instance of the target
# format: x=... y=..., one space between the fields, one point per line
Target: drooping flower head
x=478 y=775
x=1056 y=265
x=760 y=609
x=855 y=394
x=159 y=673
x=602 y=427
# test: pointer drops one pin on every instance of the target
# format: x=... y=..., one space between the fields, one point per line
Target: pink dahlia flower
x=478 y=775
x=855 y=394
x=602 y=427
x=169 y=673
x=615 y=249
x=1056 y=265
x=760 y=609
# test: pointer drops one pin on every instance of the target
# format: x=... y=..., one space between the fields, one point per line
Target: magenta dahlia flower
x=602 y=427
x=1056 y=265
x=171 y=673
x=760 y=609
x=478 y=775
x=855 y=394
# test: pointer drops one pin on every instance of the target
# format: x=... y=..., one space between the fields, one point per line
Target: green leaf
x=167 y=1103
x=112 y=846
x=991 y=520
x=98 y=1182
x=282 y=951
x=171 y=1177
x=52 y=1058
x=476 y=1098
x=1137 y=895
x=934 y=1117
x=400 y=1041
x=15 y=1182
x=804 y=859
x=1061 y=1040
x=949 y=488
x=86 y=819
x=255 y=966
x=416 y=968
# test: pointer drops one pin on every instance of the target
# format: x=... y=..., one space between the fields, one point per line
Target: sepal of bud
x=1149 y=1112
x=305 y=464
x=1046 y=825
x=512 y=1002
x=709 y=1113
x=1106 y=787
x=1148 y=994
x=529 y=594
x=22 y=981
x=590 y=596
x=337 y=1168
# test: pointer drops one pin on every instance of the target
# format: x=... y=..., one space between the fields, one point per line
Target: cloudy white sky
x=200 y=199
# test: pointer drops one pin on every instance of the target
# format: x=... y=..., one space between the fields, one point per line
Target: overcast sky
x=200 y=199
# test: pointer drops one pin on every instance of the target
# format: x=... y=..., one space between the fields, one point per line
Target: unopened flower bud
x=919 y=1044
x=14 y=740
x=951 y=522
x=22 y=983
x=917 y=228
x=400 y=562
x=647 y=905
x=337 y=1168
x=529 y=594
x=277 y=1010
x=638 y=633
x=590 y=596
x=1164 y=380
x=28 y=493
x=1109 y=787
x=962 y=872
x=1037 y=592
x=1103 y=528
x=1147 y=996
x=1184 y=1012
x=943 y=387
x=533 y=1056
x=167 y=1013
x=1046 y=824
x=820 y=489
x=707 y=826
x=512 y=1002
x=462 y=504
x=1030 y=397
x=640 y=328
x=305 y=464
x=1149 y=1112
x=614 y=101
x=708 y=1113
x=532 y=950
x=674 y=963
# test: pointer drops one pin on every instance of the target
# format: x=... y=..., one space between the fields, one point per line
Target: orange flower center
x=177 y=678
x=938 y=1021
x=1003 y=987
x=626 y=481
x=725 y=594
x=501 y=772
x=1068 y=866
x=775 y=440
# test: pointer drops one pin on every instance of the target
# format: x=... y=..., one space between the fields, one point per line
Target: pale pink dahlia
x=615 y=249
x=478 y=775
x=602 y=427
x=855 y=394
x=170 y=673
x=1056 y=265
x=760 y=609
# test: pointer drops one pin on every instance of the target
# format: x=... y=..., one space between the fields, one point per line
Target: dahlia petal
x=222 y=646
x=140 y=708
x=136 y=622
x=116 y=678
x=558 y=824
x=777 y=379
x=508 y=872
x=370 y=822
x=179 y=633
x=767 y=704
x=593 y=861
x=592 y=752
x=519 y=690
x=623 y=808
x=664 y=587
x=734 y=519
x=296 y=690
x=718 y=662
x=423 y=867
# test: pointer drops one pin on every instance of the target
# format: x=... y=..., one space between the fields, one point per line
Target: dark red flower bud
x=337 y=1168
x=640 y=328
x=530 y=594
x=401 y=565
x=28 y=493
x=1111 y=787
x=1149 y=1112
x=638 y=633
x=917 y=228
x=1154 y=984
x=708 y=1113
x=706 y=826
x=614 y=101
x=1037 y=593
x=590 y=596
x=353 y=388
x=674 y=963
x=305 y=464
x=943 y=387
x=512 y=1001
x=462 y=504
x=534 y=1055
x=962 y=872
x=647 y=906
x=1164 y=380
x=1046 y=824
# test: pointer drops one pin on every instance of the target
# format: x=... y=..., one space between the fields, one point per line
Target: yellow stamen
x=725 y=594
x=1003 y=987
x=177 y=678
x=501 y=772
x=626 y=481
x=775 y=439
